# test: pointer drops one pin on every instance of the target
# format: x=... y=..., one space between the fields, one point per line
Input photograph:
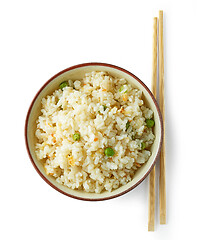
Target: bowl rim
x=72 y=68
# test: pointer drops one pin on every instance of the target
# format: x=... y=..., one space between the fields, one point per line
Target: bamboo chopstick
x=162 y=184
x=151 y=219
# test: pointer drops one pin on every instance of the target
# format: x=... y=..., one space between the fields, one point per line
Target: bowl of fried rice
x=94 y=131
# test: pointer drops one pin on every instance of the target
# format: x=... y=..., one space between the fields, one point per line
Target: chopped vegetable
x=76 y=136
x=143 y=145
x=127 y=125
x=71 y=161
x=109 y=152
x=121 y=110
x=137 y=164
x=123 y=89
x=104 y=107
x=95 y=139
x=133 y=137
x=63 y=84
x=125 y=97
x=150 y=123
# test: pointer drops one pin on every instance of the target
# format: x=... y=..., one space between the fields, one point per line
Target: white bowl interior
x=78 y=73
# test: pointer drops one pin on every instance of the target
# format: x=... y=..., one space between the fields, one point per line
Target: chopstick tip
x=151 y=228
x=162 y=219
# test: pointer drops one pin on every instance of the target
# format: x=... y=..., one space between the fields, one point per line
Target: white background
x=41 y=38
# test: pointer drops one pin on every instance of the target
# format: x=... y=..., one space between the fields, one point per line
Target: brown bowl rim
x=79 y=66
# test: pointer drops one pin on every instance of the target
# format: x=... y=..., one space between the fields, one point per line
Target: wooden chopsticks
x=162 y=184
x=151 y=220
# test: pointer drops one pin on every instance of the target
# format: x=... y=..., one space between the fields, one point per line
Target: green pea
x=76 y=136
x=150 y=123
x=109 y=152
x=143 y=145
x=63 y=84
x=127 y=125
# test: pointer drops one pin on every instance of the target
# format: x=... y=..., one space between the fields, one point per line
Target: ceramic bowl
x=77 y=72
